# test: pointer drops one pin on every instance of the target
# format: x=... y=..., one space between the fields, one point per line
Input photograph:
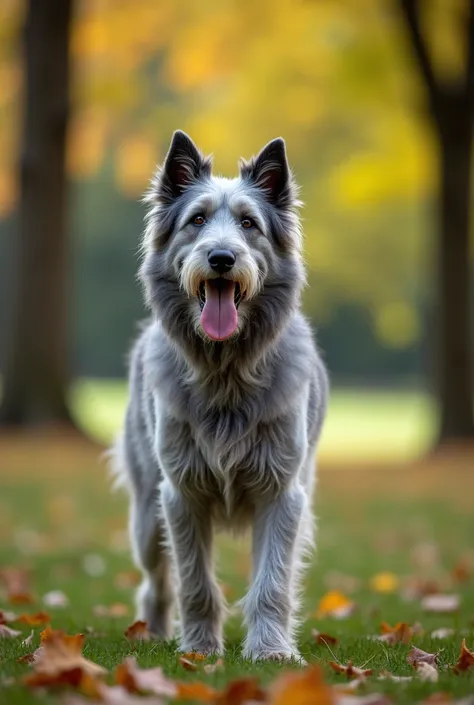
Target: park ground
x=390 y=529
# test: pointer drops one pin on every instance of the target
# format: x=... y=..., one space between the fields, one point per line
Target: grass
x=361 y=424
x=58 y=518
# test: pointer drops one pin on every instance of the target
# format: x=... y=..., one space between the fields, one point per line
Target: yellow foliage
x=385 y=582
x=135 y=161
x=397 y=324
x=88 y=134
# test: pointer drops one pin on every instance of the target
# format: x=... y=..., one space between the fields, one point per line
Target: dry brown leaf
x=465 y=660
x=441 y=603
x=138 y=631
x=187 y=664
x=400 y=633
x=116 y=610
x=417 y=656
x=34 y=620
x=241 y=691
x=147 y=680
x=461 y=572
x=213 y=667
x=17 y=585
x=321 y=638
x=59 y=660
x=8 y=633
x=426 y=671
x=335 y=604
x=304 y=687
x=112 y=695
x=438 y=699
x=197 y=691
x=350 y=671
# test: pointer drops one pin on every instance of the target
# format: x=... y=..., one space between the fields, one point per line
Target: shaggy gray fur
x=222 y=433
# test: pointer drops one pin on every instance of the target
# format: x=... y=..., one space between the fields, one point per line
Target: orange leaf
x=16 y=582
x=241 y=691
x=465 y=660
x=335 y=604
x=59 y=660
x=148 y=680
x=400 y=633
x=138 y=631
x=301 y=688
x=350 y=671
x=34 y=620
x=385 y=582
x=187 y=664
x=196 y=691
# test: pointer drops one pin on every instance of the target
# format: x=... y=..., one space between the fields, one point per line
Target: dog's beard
x=219 y=298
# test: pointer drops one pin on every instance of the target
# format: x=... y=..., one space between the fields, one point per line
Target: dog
x=227 y=399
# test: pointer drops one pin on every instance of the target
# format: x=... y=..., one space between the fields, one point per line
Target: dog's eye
x=199 y=220
x=247 y=223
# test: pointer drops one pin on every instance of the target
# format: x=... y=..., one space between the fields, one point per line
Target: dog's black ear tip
x=179 y=138
x=275 y=149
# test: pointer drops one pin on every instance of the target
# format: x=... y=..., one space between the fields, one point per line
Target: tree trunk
x=36 y=371
x=454 y=338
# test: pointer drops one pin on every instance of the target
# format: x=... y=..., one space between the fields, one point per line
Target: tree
x=36 y=370
x=450 y=105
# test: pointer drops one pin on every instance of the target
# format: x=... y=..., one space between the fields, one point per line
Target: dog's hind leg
x=270 y=603
x=200 y=600
x=155 y=594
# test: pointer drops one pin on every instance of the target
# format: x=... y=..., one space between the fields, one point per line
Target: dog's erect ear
x=183 y=165
x=269 y=171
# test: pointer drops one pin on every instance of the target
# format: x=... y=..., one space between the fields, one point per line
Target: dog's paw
x=279 y=655
x=206 y=648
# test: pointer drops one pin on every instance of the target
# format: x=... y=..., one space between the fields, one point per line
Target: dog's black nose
x=221 y=261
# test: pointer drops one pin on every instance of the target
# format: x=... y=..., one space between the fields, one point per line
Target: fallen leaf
x=112 y=695
x=426 y=671
x=321 y=638
x=350 y=671
x=55 y=598
x=147 y=680
x=196 y=691
x=187 y=663
x=400 y=633
x=34 y=620
x=116 y=610
x=438 y=699
x=461 y=572
x=17 y=585
x=442 y=633
x=8 y=633
x=138 y=631
x=213 y=667
x=465 y=660
x=305 y=687
x=385 y=582
x=59 y=660
x=335 y=604
x=417 y=656
x=29 y=639
x=441 y=603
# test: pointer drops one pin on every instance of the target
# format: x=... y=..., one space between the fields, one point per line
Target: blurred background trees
x=380 y=147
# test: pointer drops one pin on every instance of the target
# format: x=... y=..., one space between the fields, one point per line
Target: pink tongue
x=219 y=316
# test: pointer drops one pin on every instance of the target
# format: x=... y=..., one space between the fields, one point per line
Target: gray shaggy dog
x=227 y=399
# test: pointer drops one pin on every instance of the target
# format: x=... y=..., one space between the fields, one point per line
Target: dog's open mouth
x=219 y=300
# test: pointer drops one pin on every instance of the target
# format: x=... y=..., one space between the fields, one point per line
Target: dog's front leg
x=269 y=603
x=190 y=537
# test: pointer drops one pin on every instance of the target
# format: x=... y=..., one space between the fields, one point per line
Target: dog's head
x=222 y=257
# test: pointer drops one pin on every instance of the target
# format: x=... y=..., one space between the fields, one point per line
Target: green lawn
x=70 y=532
x=361 y=424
